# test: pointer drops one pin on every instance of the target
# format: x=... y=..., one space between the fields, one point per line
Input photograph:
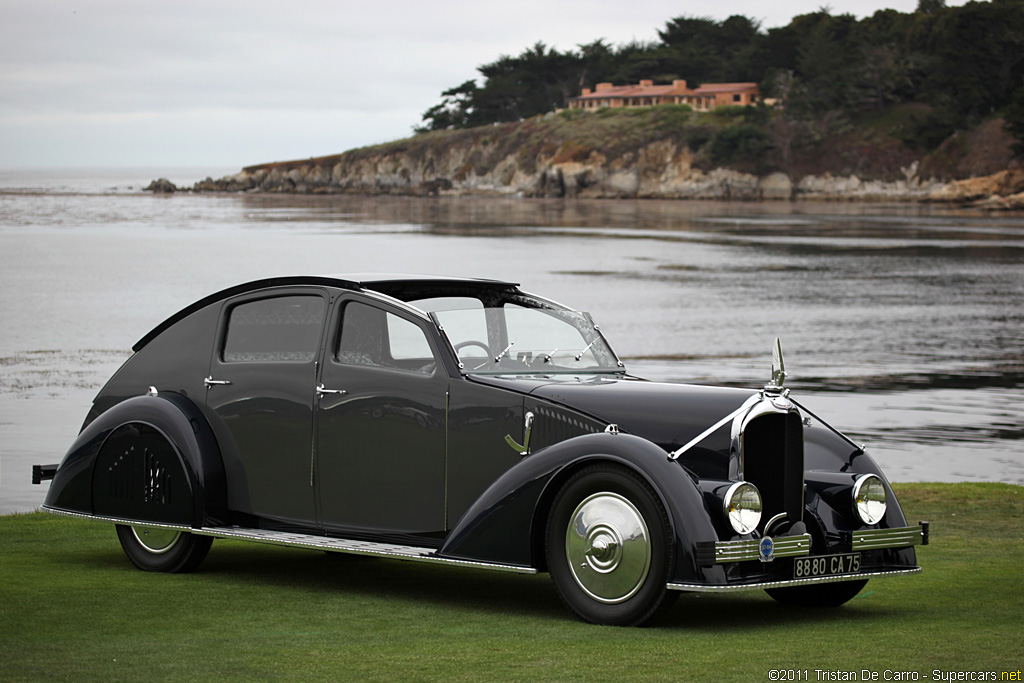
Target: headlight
x=743 y=507
x=869 y=498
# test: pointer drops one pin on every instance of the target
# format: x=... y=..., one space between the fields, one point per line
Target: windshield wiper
x=548 y=356
x=587 y=348
x=502 y=354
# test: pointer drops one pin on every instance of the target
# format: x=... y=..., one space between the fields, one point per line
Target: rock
x=1013 y=202
x=1004 y=183
x=161 y=186
x=476 y=164
x=776 y=186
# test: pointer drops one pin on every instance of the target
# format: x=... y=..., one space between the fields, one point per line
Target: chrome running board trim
x=311 y=541
x=764 y=585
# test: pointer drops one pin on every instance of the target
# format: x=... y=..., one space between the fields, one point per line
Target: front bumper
x=745 y=550
x=711 y=553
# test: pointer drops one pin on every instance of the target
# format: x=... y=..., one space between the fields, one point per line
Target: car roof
x=384 y=283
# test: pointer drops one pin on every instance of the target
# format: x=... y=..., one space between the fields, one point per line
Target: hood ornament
x=773 y=393
x=779 y=373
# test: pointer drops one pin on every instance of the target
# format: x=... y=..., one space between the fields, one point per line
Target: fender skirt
x=150 y=458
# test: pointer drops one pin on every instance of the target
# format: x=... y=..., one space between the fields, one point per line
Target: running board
x=309 y=541
x=345 y=545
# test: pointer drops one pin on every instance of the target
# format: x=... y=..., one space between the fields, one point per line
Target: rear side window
x=284 y=328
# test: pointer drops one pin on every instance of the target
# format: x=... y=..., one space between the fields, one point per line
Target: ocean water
x=902 y=325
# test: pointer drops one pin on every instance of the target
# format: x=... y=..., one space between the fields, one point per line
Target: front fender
x=506 y=525
x=126 y=433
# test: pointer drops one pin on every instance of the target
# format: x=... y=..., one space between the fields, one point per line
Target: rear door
x=261 y=392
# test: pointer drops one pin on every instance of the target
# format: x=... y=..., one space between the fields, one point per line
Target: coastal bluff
x=554 y=156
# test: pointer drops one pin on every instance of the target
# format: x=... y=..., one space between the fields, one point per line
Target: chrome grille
x=773 y=461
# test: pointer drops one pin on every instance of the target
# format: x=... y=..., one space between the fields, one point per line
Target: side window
x=406 y=340
x=373 y=337
x=284 y=328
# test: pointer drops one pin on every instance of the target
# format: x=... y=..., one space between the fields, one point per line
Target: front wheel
x=157 y=549
x=819 y=595
x=609 y=547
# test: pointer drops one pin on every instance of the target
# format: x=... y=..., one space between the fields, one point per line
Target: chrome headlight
x=743 y=507
x=869 y=498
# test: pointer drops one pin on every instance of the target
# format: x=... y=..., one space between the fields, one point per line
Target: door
x=261 y=390
x=381 y=424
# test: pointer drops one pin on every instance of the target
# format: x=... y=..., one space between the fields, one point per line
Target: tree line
x=964 y=63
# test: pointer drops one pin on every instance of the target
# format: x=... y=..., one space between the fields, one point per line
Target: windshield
x=515 y=339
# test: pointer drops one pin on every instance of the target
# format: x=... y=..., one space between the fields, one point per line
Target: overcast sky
x=228 y=83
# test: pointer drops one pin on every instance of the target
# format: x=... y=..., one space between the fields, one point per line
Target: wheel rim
x=608 y=547
x=156 y=540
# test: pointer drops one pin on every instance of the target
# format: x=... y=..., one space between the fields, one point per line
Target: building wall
x=677 y=95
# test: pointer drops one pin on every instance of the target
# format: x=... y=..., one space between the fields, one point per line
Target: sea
x=901 y=324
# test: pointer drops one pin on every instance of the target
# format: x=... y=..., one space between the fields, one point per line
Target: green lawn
x=73 y=608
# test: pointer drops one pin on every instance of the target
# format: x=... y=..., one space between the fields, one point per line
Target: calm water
x=902 y=325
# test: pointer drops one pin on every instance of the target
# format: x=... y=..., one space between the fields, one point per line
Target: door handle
x=211 y=382
x=321 y=390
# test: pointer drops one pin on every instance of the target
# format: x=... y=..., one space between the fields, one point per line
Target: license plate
x=826 y=565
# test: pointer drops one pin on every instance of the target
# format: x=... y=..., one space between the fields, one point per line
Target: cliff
x=625 y=153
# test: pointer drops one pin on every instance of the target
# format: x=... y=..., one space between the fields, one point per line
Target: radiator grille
x=773 y=461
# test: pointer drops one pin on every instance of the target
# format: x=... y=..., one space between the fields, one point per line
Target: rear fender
x=506 y=525
x=149 y=458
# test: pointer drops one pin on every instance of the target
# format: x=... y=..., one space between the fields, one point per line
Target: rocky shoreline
x=660 y=170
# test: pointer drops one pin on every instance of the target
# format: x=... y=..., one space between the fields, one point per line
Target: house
x=646 y=94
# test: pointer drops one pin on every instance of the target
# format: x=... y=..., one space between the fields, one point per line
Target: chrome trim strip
x=761 y=403
x=115 y=520
x=294 y=540
x=444 y=335
x=747 y=549
x=872 y=539
x=371 y=293
x=701 y=588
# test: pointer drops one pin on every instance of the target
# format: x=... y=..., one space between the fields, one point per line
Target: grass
x=73 y=608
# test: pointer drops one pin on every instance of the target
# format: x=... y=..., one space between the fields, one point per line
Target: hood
x=669 y=415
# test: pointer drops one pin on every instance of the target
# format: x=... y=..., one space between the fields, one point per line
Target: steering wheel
x=472 y=342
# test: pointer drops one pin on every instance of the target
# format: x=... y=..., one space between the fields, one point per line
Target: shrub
x=697 y=135
x=744 y=144
x=671 y=115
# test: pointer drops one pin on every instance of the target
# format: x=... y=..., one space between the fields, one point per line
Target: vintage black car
x=467 y=422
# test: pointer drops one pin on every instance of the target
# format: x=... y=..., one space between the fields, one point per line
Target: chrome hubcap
x=608 y=547
x=156 y=540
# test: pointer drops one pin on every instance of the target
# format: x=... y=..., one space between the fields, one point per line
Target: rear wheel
x=819 y=595
x=609 y=547
x=158 y=549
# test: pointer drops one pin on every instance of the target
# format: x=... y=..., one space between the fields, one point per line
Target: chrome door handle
x=321 y=390
x=211 y=382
